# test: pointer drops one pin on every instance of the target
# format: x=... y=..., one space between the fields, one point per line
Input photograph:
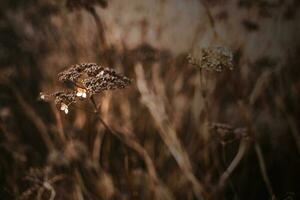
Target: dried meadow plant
x=213 y=59
x=88 y=79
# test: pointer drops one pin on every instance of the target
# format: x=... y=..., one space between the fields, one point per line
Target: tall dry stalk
x=167 y=132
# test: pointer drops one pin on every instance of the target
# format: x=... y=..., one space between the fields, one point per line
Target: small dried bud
x=213 y=59
x=42 y=96
x=64 y=107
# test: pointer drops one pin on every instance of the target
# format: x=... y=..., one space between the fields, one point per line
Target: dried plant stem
x=167 y=133
x=80 y=187
x=238 y=157
x=133 y=144
x=100 y=27
x=245 y=111
x=203 y=88
x=96 y=147
x=290 y=121
x=210 y=17
x=263 y=169
x=294 y=131
x=40 y=125
x=40 y=193
x=59 y=124
x=199 y=27
x=49 y=187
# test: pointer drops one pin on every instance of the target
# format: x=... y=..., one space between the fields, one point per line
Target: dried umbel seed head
x=88 y=79
x=91 y=79
x=106 y=79
x=75 y=72
x=213 y=59
x=227 y=133
x=62 y=99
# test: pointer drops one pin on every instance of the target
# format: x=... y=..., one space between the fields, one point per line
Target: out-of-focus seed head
x=213 y=59
x=227 y=133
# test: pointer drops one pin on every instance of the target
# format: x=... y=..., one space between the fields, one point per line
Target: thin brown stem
x=210 y=17
x=100 y=27
x=263 y=170
x=238 y=157
x=33 y=116
x=246 y=112
x=130 y=142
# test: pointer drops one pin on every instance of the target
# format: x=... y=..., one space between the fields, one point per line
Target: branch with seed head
x=88 y=79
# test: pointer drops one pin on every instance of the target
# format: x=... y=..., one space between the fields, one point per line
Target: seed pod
x=213 y=59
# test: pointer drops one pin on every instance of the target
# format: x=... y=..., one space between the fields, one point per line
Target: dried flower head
x=213 y=59
x=88 y=79
x=106 y=79
x=62 y=99
x=73 y=73
x=91 y=78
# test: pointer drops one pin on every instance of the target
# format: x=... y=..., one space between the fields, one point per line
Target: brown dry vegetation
x=179 y=131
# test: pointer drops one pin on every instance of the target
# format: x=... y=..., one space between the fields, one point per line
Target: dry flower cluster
x=88 y=79
x=213 y=59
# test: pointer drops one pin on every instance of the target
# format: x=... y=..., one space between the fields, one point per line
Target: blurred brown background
x=184 y=134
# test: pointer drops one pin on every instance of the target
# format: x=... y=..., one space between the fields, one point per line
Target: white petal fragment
x=81 y=93
x=64 y=108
